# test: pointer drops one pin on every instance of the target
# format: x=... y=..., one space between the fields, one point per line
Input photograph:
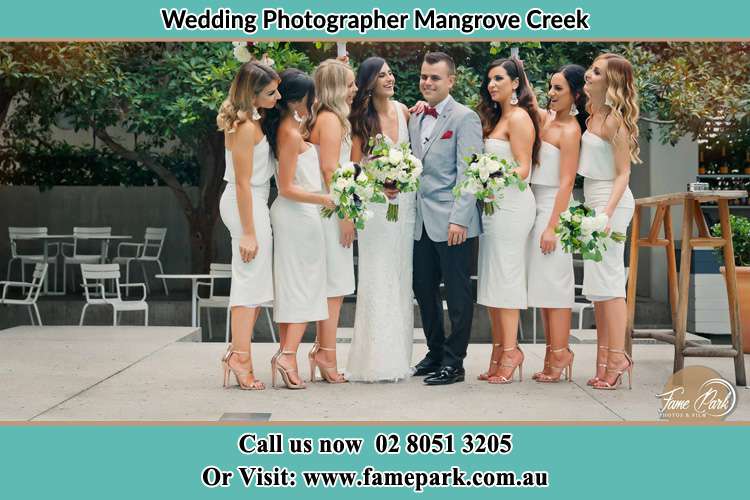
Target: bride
x=384 y=319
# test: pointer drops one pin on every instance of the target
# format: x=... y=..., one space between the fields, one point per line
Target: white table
x=194 y=297
x=47 y=238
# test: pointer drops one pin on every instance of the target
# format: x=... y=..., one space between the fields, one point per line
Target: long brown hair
x=490 y=112
x=364 y=117
x=249 y=81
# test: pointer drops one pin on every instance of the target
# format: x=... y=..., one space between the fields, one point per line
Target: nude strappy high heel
x=240 y=375
x=325 y=371
x=606 y=386
x=596 y=378
x=499 y=379
x=546 y=363
x=556 y=371
x=486 y=375
x=277 y=367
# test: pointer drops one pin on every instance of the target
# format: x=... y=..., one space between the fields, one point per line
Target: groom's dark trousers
x=435 y=262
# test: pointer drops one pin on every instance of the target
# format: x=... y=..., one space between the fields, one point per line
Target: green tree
x=168 y=94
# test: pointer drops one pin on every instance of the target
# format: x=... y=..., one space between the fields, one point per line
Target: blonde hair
x=331 y=92
x=249 y=81
x=622 y=99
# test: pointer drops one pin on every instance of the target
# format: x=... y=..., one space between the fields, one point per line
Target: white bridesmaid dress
x=339 y=260
x=252 y=282
x=551 y=283
x=502 y=244
x=604 y=280
x=299 y=263
x=384 y=318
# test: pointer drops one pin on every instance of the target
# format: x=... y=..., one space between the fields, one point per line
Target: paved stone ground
x=157 y=373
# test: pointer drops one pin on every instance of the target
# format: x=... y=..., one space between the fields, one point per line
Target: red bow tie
x=430 y=111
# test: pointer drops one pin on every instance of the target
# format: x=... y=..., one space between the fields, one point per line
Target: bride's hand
x=391 y=193
x=418 y=108
x=346 y=228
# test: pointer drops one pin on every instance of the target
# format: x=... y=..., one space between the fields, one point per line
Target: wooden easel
x=679 y=291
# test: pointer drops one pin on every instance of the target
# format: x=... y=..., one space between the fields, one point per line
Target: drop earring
x=256 y=115
x=608 y=101
x=297 y=117
x=573 y=110
x=514 y=98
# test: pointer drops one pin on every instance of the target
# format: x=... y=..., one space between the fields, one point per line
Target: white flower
x=242 y=54
x=600 y=222
x=472 y=187
x=341 y=184
x=395 y=156
x=484 y=171
x=348 y=168
x=493 y=165
x=238 y=44
x=362 y=177
x=565 y=216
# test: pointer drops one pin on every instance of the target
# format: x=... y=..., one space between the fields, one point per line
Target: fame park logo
x=697 y=394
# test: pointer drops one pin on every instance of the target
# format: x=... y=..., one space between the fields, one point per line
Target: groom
x=445 y=227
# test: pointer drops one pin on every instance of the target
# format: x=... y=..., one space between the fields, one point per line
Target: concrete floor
x=135 y=373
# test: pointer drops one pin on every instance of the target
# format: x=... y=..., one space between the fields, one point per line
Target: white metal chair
x=26 y=234
x=148 y=251
x=214 y=301
x=224 y=271
x=94 y=278
x=35 y=287
x=77 y=256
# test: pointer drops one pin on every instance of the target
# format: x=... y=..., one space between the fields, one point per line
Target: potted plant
x=740 y=227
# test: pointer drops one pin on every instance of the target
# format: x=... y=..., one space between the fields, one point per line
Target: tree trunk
x=201 y=217
x=201 y=226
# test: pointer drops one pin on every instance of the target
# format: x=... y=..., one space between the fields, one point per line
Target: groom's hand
x=456 y=234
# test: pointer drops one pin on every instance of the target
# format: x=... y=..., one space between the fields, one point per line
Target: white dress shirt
x=428 y=121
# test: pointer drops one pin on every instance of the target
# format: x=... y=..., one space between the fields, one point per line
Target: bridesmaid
x=608 y=148
x=550 y=270
x=299 y=257
x=384 y=318
x=330 y=131
x=244 y=210
x=510 y=123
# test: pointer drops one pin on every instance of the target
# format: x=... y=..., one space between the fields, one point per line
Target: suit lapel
x=415 y=123
x=439 y=128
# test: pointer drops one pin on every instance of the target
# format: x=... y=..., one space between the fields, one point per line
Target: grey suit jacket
x=457 y=133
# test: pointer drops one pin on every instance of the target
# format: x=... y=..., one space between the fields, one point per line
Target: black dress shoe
x=446 y=375
x=425 y=367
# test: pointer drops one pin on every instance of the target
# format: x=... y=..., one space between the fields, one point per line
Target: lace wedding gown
x=384 y=318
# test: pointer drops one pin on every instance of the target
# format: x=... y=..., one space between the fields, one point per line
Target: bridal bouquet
x=351 y=190
x=395 y=167
x=581 y=230
x=486 y=177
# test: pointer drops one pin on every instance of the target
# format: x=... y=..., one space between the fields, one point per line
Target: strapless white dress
x=502 y=244
x=551 y=282
x=604 y=280
x=339 y=260
x=384 y=319
x=299 y=262
x=252 y=282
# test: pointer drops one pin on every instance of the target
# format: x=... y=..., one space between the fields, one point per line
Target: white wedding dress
x=384 y=319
